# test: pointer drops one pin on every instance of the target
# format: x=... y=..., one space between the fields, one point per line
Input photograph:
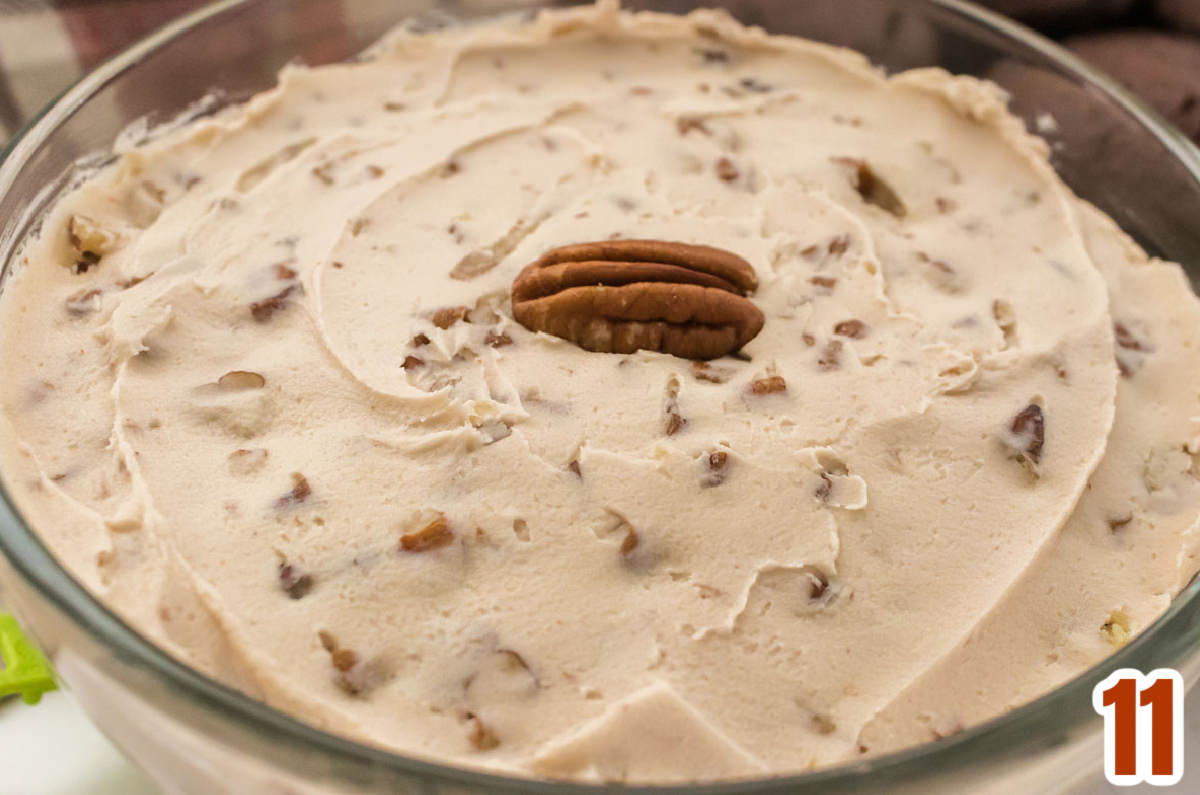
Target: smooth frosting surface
x=265 y=396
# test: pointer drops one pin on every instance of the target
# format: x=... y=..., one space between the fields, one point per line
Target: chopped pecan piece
x=854 y=329
x=497 y=339
x=685 y=124
x=772 y=384
x=630 y=541
x=419 y=340
x=831 y=356
x=412 y=362
x=447 y=316
x=703 y=371
x=755 y=85
x=482 y=738
x=1006 y=321
x=86 y=260
x=299 y=493
x=89 y=240
x=343 y=659
x=824 y=490
x=823 y=724
x=620 y=296
x=1125 y=339
x=1131 y=352
x=715 y=469
x=323 y=173
x=818 y=583
x=824 y=282
x=294 y=583
x=264 y=309
x=83 y=302
x=714 y=56
x=673 y=421
x=872 y=188
x=434 y=535
x=726 y=170
x=1117 y=629
x=1027 y=436
x=1117 y=522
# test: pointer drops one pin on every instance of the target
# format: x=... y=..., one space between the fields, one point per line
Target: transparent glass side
x=1109 y=149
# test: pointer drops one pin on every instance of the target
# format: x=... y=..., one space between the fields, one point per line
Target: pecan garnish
x=620 y=296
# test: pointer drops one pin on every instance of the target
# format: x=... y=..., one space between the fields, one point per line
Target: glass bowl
x=194 y=735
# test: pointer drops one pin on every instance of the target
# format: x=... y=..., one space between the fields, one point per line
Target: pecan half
x=620 y=296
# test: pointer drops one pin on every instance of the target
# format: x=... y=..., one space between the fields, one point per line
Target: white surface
x=52 y=749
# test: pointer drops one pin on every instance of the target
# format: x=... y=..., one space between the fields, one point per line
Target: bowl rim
x=1176 y=632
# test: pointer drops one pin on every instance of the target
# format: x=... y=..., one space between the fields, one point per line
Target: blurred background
x=1153 y=46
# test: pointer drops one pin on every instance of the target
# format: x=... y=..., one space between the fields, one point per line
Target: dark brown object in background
x=1181 y=15
x=1062 y=16
x=97 y=30
x=1163 y=68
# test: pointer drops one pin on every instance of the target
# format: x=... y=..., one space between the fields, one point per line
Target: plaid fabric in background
x=1153 y=46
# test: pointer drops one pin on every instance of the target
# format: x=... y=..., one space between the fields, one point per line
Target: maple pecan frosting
x=608 y=396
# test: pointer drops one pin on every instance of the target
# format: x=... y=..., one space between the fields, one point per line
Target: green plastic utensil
x=26 y=671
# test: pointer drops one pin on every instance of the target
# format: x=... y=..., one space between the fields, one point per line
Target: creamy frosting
x=242 y=408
